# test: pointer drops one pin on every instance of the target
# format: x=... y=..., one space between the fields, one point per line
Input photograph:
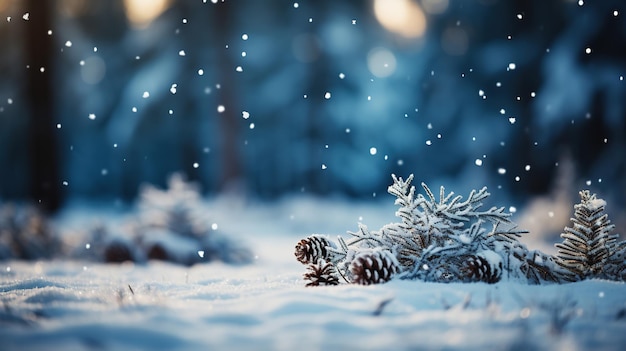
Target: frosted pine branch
x=363 y=237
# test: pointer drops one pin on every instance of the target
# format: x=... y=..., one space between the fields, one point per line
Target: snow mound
x=217 y=306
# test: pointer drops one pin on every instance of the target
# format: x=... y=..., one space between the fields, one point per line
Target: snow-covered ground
x=63 y=305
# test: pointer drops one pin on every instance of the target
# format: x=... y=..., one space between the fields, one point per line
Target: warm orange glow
x=72 y=8
x=404 y=17
x=435 y=7
x=4 y=4
x=141 y=13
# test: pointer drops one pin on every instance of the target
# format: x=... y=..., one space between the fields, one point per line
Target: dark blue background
x=452 y=99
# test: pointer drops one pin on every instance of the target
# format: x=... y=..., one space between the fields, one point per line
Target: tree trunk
x=229 y=142
x=45 y=186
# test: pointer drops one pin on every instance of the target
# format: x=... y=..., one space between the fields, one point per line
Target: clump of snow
x=595 y=204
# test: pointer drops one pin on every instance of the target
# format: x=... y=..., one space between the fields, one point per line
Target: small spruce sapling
x=588 y=249
x=174 y=226
x=171 y=225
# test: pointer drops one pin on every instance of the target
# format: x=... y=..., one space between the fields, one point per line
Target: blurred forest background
x=269 y=98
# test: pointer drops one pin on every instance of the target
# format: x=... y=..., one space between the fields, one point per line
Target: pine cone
x=373 y=267
x=484 y=266
x=117 y=252
x=157 y=252
x=321 y=273
x=312 y=249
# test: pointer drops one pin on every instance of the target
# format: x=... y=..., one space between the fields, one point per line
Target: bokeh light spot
x=381 y=62
x=403 y=17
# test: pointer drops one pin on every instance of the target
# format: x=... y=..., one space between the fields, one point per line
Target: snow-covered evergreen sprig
x=588 y=245
x=435 y=240
x=533 y=266
x=436 y=264
x=448 y=222
x=177 y=208
x=430 y=221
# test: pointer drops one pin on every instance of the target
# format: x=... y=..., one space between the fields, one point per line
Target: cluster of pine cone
x=375 y=266
x=366 y=267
